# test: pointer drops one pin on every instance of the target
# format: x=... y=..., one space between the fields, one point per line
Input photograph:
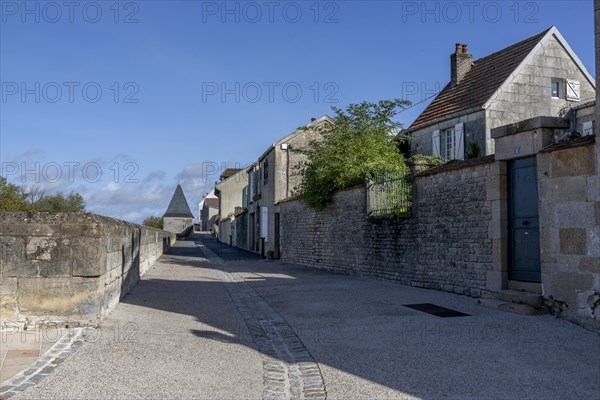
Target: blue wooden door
x=523 y=221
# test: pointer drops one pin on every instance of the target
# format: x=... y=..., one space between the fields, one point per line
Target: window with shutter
x=245 y=196
x=251 y=187
x=459 y=141
x=573 y=90
x=264 y=223
x=265 y=172
x=435 y=141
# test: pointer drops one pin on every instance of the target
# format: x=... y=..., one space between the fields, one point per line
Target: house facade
x=208 y=210
x=272 y=178
x=539 y=76
x=231 y=195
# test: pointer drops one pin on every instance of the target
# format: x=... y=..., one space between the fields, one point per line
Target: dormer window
x=557 y=88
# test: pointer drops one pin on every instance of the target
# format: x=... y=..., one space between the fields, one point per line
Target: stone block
x=89 y=257
x=575 y=214
x=495 y=188
x=497 y=229
x=549 y=240
x=573 y=241
x=593 y=187
x=590 y=264
x=499 y=254
x=566 y=285
x=52 y=269
x=563 y=189
x=30 y=229
x=8 y=307
x=12 y=258
x=59 y=297
x=593 y=242
x=47 y=248
x=8 y=286
x=92 y=229
x=494 y=281
x=574 y=161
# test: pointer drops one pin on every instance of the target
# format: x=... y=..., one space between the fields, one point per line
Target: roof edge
x=445 y=118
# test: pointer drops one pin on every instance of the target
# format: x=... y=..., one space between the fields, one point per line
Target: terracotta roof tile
x=485 y=77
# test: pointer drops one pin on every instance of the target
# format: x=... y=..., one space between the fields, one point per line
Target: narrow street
x=210 y=321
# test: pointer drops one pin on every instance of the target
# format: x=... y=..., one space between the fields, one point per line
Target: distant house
x=228 y=172
x=178 y=216
x=539 y=76
x=231 y=195
x=208 y=210
x=273 y=178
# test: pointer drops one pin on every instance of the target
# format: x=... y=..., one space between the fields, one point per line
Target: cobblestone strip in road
x=289 y=371
x=66 y=345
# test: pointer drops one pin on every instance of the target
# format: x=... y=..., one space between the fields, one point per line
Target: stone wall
x=239 y=230
x=569 y=191
x=445 y=245
x=177 y=224
x=71 y=267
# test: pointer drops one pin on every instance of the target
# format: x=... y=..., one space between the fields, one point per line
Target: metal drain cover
x=436 y=310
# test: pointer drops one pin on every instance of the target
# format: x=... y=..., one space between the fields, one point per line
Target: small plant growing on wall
x=473 y=150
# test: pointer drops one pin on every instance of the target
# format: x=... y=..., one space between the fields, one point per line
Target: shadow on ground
x=369 y=345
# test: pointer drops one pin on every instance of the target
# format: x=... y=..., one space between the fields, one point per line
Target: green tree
x=13 y=198
x=154 y=222
x=60 y=202
x=360 y=144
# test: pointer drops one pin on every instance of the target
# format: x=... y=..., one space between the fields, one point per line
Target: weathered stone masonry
x=71 y=267
x=446 y=245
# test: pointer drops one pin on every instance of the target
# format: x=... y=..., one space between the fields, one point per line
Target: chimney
x=460 y=63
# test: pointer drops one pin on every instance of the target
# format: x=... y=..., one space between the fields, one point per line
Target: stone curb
x=289 y=370
x=66 y=345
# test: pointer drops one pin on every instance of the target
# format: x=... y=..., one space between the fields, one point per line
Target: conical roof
x=178 y=207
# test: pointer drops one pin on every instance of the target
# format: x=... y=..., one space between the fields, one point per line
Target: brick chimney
x=460 y=63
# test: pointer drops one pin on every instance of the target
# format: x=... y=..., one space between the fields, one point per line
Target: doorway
x=523 y=221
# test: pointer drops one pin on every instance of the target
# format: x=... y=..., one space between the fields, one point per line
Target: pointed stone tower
x=178 y=216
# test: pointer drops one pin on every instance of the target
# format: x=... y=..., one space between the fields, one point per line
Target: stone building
x=273 y=178
x=178 y=217
x=539 y=76
x=208 y=211
x=231 y=195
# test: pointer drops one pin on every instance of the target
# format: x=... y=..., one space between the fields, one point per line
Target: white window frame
x=452 y=142
x=449 y=143
x=560 y=88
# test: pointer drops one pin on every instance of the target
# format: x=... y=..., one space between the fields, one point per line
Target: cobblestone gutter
x=289 y=370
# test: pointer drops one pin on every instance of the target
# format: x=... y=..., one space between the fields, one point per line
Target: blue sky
x=120 y=101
